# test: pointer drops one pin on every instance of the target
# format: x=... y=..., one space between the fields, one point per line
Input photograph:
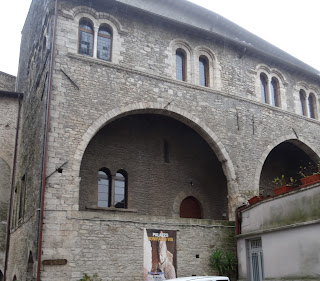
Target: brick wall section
x=135 y=144
x=7 y=82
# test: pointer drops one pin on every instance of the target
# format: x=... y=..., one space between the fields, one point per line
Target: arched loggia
x=178 y=114
x=153 y=176
x=285 y=159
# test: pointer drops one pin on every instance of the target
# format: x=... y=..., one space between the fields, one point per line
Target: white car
x=201 y=278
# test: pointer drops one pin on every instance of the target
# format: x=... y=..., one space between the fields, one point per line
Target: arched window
x=104 y=188
x=302 y=95
x=203 y=71
x=120 y=189
x=190 y=208
x=85 y=37
x=104 y=43
x=275 y=98
x=180 y=65
x=264 y=88
x=14 y=278
x=1 y=276
x=311 y=106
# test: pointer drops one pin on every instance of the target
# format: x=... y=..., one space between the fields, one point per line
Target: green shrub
x=224 y=262
x=94 y=277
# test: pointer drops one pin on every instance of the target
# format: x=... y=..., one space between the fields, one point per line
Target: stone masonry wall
x=7 y=82
x=89 y=93
x=33 y=82
x=9 y=112
x=112 y=244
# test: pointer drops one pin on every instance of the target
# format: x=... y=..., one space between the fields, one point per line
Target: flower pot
x=282 y=189
x=254 y=200
x=310 y=179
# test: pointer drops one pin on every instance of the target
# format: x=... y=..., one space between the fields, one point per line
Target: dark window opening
x=180 y=65
x=120 y=189
x=104 y=190
x=22 y=198
x=275 y=97
x=303 y=102
x=166 y=151
x=311 y=106
x=85 y=37
x=104 y=43
x=203 y=71
x=264 y=88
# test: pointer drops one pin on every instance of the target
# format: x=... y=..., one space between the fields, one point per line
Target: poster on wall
x=160 y=257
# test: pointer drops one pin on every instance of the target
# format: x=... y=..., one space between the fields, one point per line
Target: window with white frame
x=256 y=259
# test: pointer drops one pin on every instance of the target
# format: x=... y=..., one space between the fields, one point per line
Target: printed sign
x=160 y=259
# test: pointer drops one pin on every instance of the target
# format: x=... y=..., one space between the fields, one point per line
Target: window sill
x=110 y=209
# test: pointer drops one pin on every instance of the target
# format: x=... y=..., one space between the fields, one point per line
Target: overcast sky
x=292 y=25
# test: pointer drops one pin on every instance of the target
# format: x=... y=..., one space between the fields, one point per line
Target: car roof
x=204 y=278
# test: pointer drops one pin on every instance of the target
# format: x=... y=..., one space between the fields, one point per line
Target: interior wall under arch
x=285 y=159
x=135 y=144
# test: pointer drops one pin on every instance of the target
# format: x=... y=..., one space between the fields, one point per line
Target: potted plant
x=284 y=185
x=310 y=174
x=254 y=199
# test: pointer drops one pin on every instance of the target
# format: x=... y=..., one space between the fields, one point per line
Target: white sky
x=292 y=25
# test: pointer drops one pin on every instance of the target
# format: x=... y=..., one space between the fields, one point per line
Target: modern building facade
x=144 y=125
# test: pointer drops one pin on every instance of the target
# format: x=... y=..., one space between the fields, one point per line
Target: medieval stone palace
x=133 y=132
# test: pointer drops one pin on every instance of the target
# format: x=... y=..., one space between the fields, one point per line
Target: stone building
x=9 y=108
x=143 y=122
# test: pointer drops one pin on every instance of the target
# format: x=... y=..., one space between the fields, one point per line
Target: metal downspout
x=45 y=152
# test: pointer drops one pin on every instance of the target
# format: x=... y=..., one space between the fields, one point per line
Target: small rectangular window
x=165 y=151
x=22 y=198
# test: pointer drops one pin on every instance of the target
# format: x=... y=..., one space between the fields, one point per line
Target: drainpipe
x=12 y=187
x=45 y=150
x=239 y=218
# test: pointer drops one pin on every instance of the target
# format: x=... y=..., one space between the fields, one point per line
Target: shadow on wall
x=285 y=159
x=161 y=157
x=5 y=175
